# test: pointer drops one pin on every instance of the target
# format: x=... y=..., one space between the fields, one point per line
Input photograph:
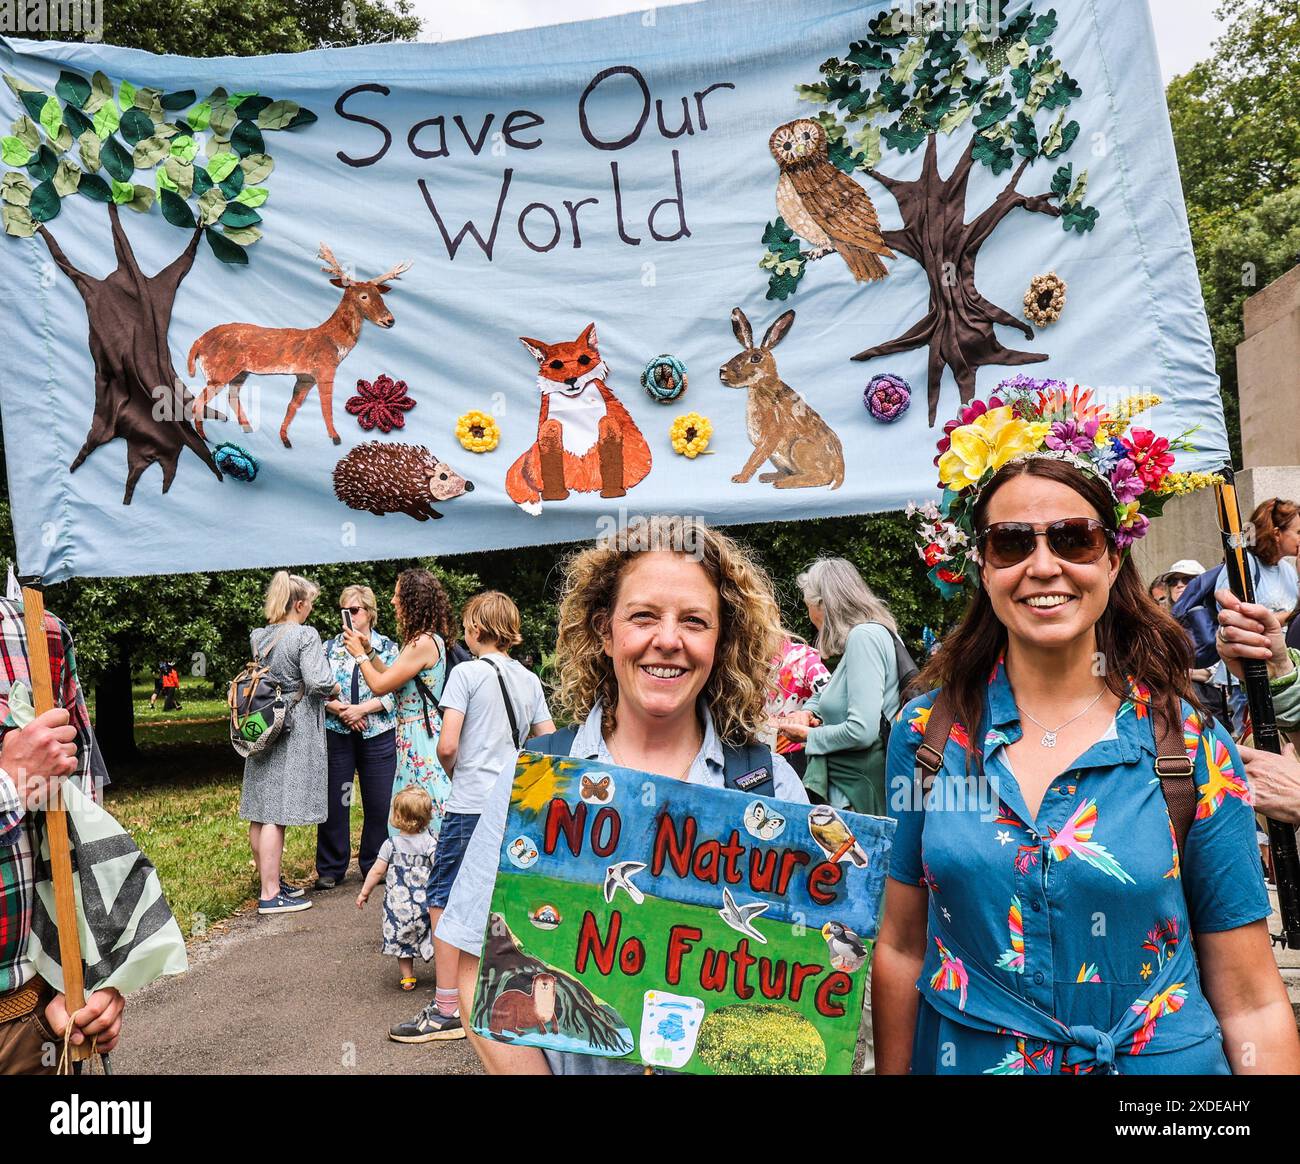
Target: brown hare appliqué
x=783 y=426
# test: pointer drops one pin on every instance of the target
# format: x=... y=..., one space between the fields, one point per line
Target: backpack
x=747 y=768
x=1198 y=614
x=258 y=711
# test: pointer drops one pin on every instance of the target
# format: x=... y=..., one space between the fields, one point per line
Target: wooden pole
x=56 y=822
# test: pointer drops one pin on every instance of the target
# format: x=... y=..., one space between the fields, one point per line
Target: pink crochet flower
x=381 y=403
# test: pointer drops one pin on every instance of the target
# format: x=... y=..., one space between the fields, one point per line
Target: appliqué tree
x=1015 y=94
x=138 y=395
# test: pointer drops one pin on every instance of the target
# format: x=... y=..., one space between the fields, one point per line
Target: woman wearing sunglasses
x=1039 y=915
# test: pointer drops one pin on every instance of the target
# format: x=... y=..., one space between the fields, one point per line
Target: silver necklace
x=1050 y=734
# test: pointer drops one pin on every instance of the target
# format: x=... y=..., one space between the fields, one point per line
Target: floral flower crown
x=1044 y=418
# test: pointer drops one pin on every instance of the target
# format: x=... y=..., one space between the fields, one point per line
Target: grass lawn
x=180 y=802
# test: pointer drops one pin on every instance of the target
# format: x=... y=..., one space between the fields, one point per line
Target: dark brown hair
x=1270 y=518
x=1135 y=635
x=425 y=606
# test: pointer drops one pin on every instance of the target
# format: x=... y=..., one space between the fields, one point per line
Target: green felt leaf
x=34 y=102
x=1025 y=136
x=136 y=126
x=866 y=55
x=175 y=210
x=1064 y=90
x=51 y=118
x=73 y=88
x=27 y=132
x=869 y=147
x=237 y=214
x=777 y=233
x=15 y=189
x=892 y=93
x=211 y=206
x=1060 y=137
x=146 y=98
x=1076 y=195
x=142 y=201
x=1080 y=218
x=202 y=181
x=14 y=152
x=275 y=115
x=181 y=175
x=182 y=99
x=93 y=186
x=304 y=117
x=166 y=131
x=257 y=167
x=122 y=192
x=107 y=120
x=101 y=90
x=199 y=116
x=222 y=121
x=247 y=139
x=233 y=184
x=116 y=161
x=63 y=140
x=43 y=165
x=1062 y=180
x=904 y=140
x=992 y=153
x=163 y=182
x=245 y=236
x=955 y=118
x=908 y=61
x=184 y=148
x=1018 y=53
x=66 y=178
x=225 y=250
x=252 y=195
x=19 y=86
x=76 y=122
x=45 y=203
x=126 y=94
x=818 y=94
x=994 y=111
x=150 y=152
x=216 y=97
x=237 y=99
x=1042 y=28
x=88 y=147
x=18 y=221
x=220 y=165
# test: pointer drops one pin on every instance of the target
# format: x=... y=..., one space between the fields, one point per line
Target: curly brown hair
x=426 y=609
x=748 y=640
x=1137 y=637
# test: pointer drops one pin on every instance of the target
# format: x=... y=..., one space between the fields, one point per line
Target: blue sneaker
x=281 y=904
x=294 y=891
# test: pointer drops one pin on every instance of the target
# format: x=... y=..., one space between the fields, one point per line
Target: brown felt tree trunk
x=138 y=394
x=958 y=327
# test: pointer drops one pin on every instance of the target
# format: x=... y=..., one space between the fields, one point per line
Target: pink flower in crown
x=1132 y=525
x=1072 y=437
x=1125 y=481
x=968 y=415
x=1150 y=454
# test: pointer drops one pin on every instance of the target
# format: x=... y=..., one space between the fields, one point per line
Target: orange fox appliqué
x=586 y=440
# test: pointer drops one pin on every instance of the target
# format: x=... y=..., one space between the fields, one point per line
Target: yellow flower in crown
x=690 y=434
x=986 y=444
x=477 y=432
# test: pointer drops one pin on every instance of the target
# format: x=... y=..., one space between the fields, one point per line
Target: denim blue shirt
x=1062 y=944
x=343 y=664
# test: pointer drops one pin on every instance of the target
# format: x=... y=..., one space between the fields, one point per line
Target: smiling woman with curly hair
x=667 y=634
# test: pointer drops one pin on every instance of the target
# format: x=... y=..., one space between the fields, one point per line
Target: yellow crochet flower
x=987 y=444
x=477 y=432
x=690 y=434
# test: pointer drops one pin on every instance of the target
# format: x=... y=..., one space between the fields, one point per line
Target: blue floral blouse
x=1062 y=945
x=343 y=665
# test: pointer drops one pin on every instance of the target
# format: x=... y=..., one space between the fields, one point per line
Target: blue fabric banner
x=428 y=298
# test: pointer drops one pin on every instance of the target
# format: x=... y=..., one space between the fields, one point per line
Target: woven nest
x=1045 y=299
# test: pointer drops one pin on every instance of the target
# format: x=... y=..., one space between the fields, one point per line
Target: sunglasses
x=1078 y=540
x=353 y=610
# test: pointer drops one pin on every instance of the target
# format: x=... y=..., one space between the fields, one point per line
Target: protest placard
x=692 y=928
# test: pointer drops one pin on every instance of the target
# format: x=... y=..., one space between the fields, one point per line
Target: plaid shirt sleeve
x=11 y=810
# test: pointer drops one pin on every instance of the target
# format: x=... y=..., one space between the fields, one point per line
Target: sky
x=1184 y=28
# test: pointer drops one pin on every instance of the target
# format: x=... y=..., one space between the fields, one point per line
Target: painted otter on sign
x=515 y=1012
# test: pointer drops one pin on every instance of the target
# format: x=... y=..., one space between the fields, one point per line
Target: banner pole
x=56 y=822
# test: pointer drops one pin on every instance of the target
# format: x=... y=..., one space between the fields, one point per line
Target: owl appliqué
x=823 y=205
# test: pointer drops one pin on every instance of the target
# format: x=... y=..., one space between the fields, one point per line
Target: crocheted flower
x=1150 y=454
x=1072 y=436
x=664 y=378
x=690 y=434
x=235 y=461
x=986 y=445
x=477 y=431
x=1045 y=299
x=887 y=397
x=380 y=404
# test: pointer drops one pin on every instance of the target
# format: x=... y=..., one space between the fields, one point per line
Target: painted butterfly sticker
x=762 y=822
x=597 y=790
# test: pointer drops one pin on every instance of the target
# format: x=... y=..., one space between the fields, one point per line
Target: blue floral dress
x=1061 y=946
x=418 y=726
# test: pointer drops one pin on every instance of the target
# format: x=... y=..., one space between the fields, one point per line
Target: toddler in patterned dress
x=404 y=864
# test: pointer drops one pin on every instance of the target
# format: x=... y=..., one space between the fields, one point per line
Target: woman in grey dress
x=286 y=785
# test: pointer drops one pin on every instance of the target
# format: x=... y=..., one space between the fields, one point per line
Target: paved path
x=307 y=994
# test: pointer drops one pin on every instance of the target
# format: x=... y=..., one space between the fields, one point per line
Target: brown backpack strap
x=1175 y=768
x=929 y=756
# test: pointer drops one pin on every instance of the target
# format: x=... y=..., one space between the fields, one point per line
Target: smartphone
x=347 y=620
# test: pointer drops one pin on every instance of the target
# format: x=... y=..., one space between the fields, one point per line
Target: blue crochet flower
x=235 y=461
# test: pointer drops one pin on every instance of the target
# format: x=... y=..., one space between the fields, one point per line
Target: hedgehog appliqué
x=379 y=477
